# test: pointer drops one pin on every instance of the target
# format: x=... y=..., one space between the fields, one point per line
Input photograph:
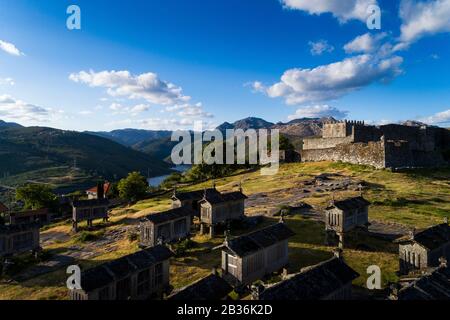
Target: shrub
x=86 y=236
x=183 y=246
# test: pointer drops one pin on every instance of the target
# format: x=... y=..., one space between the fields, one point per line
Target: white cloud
x=139 y=108
x=438 y=118
x=318 y=111
x=85 y=112
x=328 y=82
x=421 y=18
x=320 y=47
x=145 y=86
x=366 y=43
x=118 y=108
x=7 y=81
x=343 y=10
x=17 y=110
x=10 y=48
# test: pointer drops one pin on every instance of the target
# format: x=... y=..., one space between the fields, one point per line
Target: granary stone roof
x=13 y=228
x=431 y=238
x=350 y=204
x=193 y=195
x=215 y=198
x=212 y=287
x=257 y=240
x=3 y=208
x=90 y=203
x=434 y=286
x=169 y=215
x=312 y=283
x=104 y=274
x=29 y=212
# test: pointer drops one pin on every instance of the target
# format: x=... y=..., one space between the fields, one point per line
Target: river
x=156 y=181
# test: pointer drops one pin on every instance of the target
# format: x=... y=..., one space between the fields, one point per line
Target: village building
x=93 y=192
x=191 y=199
x=165 y=227
x=19 y=238
x=250 y=257
x=221 y=208
x=139 y=276
x=422 y=250
x=346 y=215
x=211 y=288
x=42 y=216
x=434 y=285
x=329 y=280
x=89 y=210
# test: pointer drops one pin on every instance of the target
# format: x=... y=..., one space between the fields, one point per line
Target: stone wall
x=322 y=143
x=372 y=154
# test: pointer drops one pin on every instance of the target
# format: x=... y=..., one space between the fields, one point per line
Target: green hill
x=25 y=150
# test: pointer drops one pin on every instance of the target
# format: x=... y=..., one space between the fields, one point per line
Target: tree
x=285 y=143
x=36 y=196
x=133 y=187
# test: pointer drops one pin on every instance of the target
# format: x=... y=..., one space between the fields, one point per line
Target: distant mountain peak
x=4 y=124
x=247 y=123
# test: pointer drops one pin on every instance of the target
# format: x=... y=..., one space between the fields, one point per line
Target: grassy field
x=417 y=198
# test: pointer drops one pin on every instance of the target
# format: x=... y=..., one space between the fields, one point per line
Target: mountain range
x=26 y=149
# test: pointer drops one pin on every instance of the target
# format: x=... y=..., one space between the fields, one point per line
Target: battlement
x=352 y=122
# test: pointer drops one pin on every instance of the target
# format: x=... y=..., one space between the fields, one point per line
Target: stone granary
x=42 y=216
x=89 y=210
x=388 y=146
x=211 y=288
x=20 y=238
x=139 y=276
x=220 y=208
x=191 y=199
x=344 y=216
x=329 y=280
x=250 y=257
x=422 y=250
x=166 y=227
x=433 y=285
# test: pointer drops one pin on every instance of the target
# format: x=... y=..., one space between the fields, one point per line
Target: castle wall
x=371 y=154
x=336 y=130
x=419 y=138
x=322 y=143
x=388 y=146
x=366 y=133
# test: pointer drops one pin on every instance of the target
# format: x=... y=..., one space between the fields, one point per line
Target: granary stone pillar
x=211 y=231
x=341 y=240
x=74 y=226
x=202 y=228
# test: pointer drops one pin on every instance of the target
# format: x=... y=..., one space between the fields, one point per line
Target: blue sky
x=162 y=64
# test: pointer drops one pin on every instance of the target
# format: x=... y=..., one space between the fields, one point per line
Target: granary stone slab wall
x=412 y=256
x=371 y=154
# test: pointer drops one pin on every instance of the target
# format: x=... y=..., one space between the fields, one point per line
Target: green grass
x=418 y=198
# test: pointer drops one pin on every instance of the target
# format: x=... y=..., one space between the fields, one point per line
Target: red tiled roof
x=106 y=187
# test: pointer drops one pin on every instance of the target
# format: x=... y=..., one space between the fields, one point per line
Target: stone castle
x=388 y=146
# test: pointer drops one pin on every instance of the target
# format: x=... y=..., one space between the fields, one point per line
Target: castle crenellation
x=385 y=146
